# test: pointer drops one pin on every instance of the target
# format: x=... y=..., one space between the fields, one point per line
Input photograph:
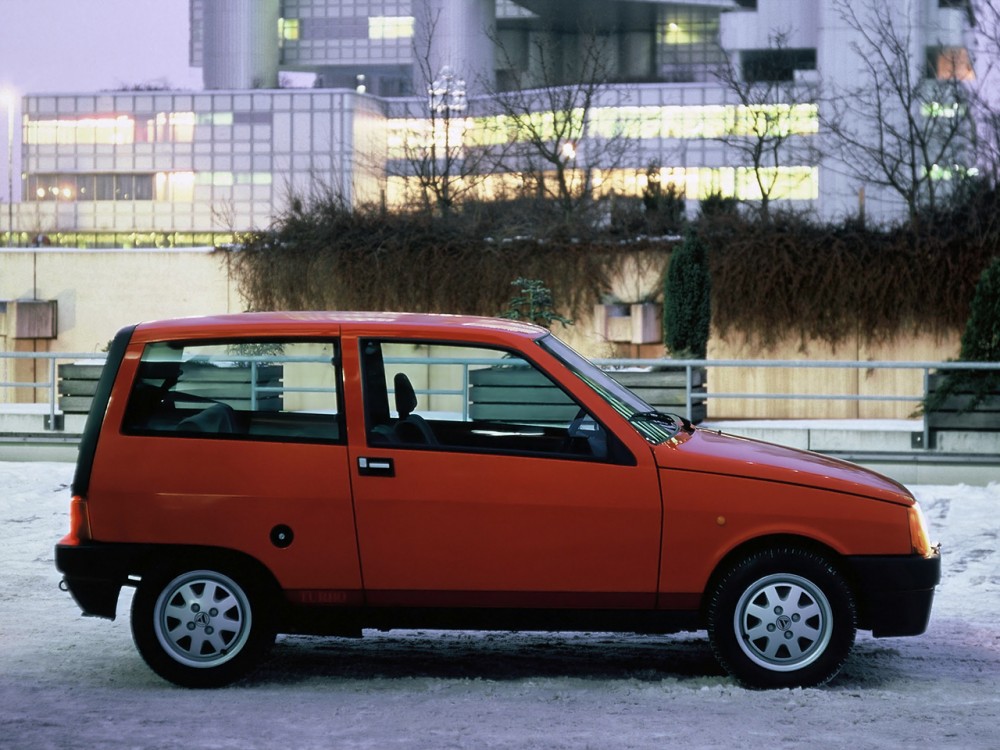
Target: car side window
x=241 y=390
x=455 y=397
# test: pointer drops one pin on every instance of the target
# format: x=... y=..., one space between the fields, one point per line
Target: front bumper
x=895 y=593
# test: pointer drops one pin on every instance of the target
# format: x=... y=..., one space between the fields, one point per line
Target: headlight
x=919 y=540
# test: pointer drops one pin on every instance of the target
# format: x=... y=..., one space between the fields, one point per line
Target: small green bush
x=533 y=304
x=687 y=307
x=981 y=338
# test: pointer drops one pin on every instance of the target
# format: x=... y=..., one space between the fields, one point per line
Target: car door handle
x=376 y=467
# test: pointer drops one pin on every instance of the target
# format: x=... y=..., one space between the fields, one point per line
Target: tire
x=782 y=618
x=201 y=626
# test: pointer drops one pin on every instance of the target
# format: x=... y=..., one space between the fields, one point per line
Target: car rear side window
x=241 y=390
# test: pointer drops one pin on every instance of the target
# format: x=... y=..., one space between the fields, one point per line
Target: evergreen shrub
x=687 y=300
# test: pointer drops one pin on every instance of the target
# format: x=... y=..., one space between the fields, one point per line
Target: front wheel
x=202 y=627
x=782 y=618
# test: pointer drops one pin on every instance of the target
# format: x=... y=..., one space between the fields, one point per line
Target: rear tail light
x=79 y=522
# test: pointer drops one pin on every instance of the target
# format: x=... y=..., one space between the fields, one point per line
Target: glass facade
x=650 y=130
x=185 y=162
x=213 y=160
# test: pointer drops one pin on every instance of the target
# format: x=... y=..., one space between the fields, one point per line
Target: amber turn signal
x=919 y=540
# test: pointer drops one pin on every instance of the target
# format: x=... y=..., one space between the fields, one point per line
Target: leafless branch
x=900 y=127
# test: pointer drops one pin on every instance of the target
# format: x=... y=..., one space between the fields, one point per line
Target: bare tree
x=985 y=91
x=433 y=142
x=902 y=127
x=554 y=142
x=763 y=131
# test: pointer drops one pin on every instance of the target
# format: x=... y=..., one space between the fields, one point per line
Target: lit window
x=175 y=127
x=390 y=27
x=949 y=64
x=218 y=179
x=176 y=187
x=214 y=118
x=785 y=183
x=938 y=109
x=288 y=29
x=90 y=187
x=111 y=130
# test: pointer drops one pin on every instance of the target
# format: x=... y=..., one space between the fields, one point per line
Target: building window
x=214 y=118
x=90 y=187
x=166 y=127
x=960 y=5
x=288 y=29
x=799 y=183
x=776 y=64
x=320 y=29
x=175 y=187
x=687 y=44
x=390 y=27
x=115 y=130
x=949 y=64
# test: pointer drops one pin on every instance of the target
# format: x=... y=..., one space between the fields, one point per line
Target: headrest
x=406 y=399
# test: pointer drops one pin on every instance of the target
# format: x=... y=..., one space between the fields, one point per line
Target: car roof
x=331 y=323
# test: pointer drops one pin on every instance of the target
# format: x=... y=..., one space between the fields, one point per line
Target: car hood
x=716 y=453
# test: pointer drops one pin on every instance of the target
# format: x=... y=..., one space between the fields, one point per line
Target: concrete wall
x=823 y=381
x=100 y=291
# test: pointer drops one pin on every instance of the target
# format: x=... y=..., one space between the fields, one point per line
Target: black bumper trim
x=895 y=593
x=94 y=573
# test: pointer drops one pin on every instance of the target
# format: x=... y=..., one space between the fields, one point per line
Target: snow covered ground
x=68 y=681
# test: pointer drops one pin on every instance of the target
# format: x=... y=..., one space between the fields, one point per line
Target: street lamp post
x=447 y=93
x=447 y=100
x=8 y=97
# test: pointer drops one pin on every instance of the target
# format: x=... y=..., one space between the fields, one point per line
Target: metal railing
x=689 y=365
x=51 y=385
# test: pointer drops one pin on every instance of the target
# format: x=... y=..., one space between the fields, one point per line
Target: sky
x=89 y=45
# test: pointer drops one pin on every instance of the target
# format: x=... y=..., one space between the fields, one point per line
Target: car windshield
x=655 y=426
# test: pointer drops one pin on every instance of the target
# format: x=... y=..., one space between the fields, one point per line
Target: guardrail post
x=53 y=388
x=927 y=424
x=465 y=391
x=688 y=379
x=253 y=385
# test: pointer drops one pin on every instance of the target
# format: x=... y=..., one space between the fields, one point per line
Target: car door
x=480 y=481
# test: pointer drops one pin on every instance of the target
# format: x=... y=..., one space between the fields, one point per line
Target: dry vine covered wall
x=786 y=289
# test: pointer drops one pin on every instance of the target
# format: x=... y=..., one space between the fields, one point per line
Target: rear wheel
x=782 y=618
x=201 y=627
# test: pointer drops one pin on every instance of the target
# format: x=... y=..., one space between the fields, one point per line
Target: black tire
x=202 y=625
x=782 y=618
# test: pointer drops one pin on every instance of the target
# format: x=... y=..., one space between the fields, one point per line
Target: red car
x=327 y=472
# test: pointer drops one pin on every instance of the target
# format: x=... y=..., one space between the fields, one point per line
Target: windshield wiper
x=662 y=417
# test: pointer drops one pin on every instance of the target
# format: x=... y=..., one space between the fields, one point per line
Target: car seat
x=411 y=428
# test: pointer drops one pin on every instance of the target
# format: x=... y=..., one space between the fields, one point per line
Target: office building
x=334 y=95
